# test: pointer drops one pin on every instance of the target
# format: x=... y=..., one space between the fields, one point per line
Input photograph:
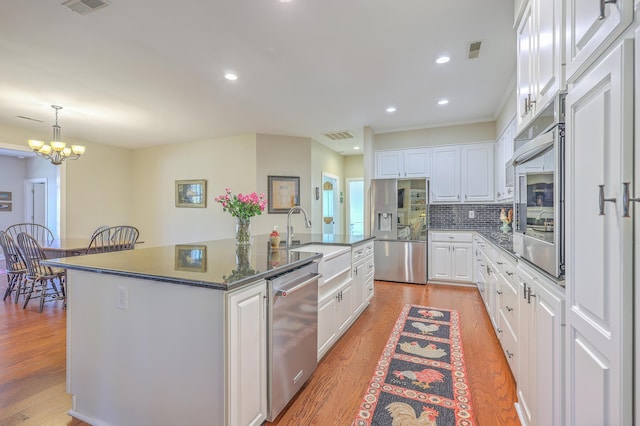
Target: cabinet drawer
x=509 y=304
x=509 y=345
x=452 y=237
x=361 y=251
x=369 y=268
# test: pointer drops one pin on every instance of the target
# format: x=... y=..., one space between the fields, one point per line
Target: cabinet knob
x=499 y=330
x=509 y=354
x=510 y=309
x=499 y=292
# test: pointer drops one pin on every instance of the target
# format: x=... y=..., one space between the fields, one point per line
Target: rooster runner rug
x=420 y=378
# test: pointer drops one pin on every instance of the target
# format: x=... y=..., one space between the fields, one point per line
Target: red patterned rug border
x=461 y=405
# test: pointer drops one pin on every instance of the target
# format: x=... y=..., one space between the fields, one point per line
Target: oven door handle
x=601 y=200
x=285 y=293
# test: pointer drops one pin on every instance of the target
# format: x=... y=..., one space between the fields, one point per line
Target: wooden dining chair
x=40 y=233
x=114 y=238
x=15 y=267
x=44 y=282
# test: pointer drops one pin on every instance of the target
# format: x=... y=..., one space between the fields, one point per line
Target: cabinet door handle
x=499 y=330
x=530 y=295
x=509 y=273
x=510 y=309
x=499 y=292
x=509 y=354
x=601 y=199
x=524 y=291
x=626 y=200
x=530 y=101
x=602 y=4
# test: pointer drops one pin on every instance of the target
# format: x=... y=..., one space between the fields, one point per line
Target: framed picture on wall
x=191 y=193
x=5 y=196
x=284 y=193
x=5 y=207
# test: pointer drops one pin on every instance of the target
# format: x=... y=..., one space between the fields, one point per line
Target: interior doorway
x=330 y=204
x=35 y=201
x=355 y=206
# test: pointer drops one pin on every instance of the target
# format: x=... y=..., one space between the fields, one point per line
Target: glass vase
x=243 y=231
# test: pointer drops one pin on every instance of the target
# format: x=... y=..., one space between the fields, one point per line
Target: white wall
x=507 y=113
x=460 y=134
x=13 y=172
x=284 y=156
x=222 y=162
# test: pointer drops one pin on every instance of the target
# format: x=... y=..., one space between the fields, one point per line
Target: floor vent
x=84 y=7
x=474 y=49
x=337 y=136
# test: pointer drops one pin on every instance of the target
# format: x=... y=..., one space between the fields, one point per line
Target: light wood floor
x=32 y=361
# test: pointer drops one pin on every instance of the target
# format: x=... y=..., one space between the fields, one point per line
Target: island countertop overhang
x=216 y=264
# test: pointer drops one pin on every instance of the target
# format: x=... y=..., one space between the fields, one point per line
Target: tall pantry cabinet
x=597 y=46
x=599 y=357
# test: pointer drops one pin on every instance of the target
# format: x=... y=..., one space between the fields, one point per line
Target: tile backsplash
x=456 y=216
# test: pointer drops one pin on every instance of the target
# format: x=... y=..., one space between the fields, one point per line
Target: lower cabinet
x=541 y=384
x=451 y=256
x=527 y=312
x=247 y=355
x=344 y=297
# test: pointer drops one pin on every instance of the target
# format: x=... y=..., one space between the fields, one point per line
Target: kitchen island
x=175 y=334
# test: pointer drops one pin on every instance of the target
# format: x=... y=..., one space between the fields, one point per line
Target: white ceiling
x=144 y=72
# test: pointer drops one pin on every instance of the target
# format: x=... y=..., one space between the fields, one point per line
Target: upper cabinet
x=591 y=26
x=539 y=57
x=462 y=173
x=406 y=163
x=502 y=154
x=445 y=176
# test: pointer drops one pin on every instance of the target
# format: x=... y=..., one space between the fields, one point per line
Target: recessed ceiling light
x=285 y=1
x=442 y=60
x=443 y=101
x=391 y=109
x=231 y=76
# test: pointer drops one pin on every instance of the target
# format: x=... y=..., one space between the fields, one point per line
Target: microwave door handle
x=601 y=200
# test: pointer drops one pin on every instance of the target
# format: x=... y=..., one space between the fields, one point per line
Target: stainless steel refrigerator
x=400 y=215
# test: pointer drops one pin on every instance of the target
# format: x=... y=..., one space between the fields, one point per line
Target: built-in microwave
x=539 y=201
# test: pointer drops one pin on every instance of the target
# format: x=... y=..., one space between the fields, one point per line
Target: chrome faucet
x=307 y=222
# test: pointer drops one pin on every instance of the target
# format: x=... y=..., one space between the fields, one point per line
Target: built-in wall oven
x=539 y=194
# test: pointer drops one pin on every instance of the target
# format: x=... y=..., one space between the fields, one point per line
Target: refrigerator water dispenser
x=384 y=222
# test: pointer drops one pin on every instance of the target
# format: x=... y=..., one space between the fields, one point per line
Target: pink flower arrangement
x=242 y=206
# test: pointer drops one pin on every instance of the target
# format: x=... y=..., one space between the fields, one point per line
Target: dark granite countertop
x=218 y=264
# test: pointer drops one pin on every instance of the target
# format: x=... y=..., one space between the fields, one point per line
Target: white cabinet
x=462 y=173
x=599 y=245
x=451 y=256
x=362 y=273
x=477 y=173
x=502 y=153
x=445 y=174
x=247 y=348
x=540 y=350
x=591 y=27
x=404 y=163
x=344 y=293
x=539 y=57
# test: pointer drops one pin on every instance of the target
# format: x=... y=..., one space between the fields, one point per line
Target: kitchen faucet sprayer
x=307 y=222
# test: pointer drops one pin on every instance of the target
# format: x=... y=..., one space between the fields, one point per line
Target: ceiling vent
x=84 y=7
x=29 y=118
x=474 y=49
x=338 y=136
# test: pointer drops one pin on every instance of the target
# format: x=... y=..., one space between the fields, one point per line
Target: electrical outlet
x=472 y=214
x=123 y=298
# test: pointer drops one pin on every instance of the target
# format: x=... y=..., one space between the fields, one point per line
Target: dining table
x=65 y=247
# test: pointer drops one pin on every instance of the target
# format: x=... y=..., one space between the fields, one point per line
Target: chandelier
x=57 y=151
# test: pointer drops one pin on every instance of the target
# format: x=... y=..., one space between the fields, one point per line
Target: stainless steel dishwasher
x=293 y=334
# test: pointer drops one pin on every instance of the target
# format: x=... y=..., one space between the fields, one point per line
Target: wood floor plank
x=33 y=361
